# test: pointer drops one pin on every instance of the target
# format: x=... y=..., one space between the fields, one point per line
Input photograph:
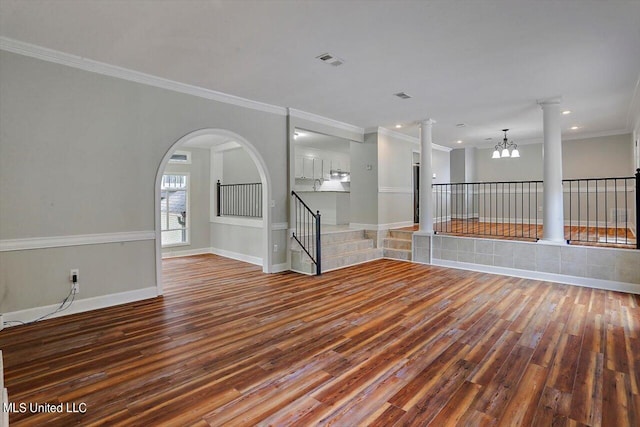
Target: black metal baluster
x=615 y=189
x=588 y=210
x=626 y=225
x=536 y=209
x=570 y=215
x=606 y=211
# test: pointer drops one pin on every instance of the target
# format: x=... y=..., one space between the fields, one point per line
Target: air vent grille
x=402 y=95
x=327 y=58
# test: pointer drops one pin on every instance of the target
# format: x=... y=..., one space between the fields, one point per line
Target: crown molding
x=407 y=138
x=615 y=132
x=74 y=61
x=325 y=121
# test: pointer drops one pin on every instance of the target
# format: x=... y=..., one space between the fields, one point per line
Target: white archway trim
x=266 y=194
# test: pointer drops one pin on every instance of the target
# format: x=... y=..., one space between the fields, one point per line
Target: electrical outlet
x=75 y=285
x=275 y=248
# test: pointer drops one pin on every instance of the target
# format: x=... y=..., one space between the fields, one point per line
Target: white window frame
x=180 y=162
x=187 y=207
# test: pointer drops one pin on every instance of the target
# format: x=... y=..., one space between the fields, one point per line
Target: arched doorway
x=222 y=136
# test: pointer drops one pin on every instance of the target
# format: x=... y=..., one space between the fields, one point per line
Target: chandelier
x=502 y=149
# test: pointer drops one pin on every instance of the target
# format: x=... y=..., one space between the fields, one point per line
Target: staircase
x=397 y=245
x=339 y=249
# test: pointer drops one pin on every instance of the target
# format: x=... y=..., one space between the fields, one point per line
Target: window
x=174 y=210
x=181 y=157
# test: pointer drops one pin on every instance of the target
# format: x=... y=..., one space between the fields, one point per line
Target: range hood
x=335 y=173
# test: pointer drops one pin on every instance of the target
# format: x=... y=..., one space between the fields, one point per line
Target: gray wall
x=364 y=182
x=441 y=166
x=527 y=167
x=395 y=179
x=457 y=165
x=199 y=198
x=238 y=167
x=79 y=153
x=602 y=157
x=598 y=157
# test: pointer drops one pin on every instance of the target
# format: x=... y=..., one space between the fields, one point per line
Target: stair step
x=335 y=236
x=402 y=254
x=330 y=249
x=401 y=234
x=392 y=243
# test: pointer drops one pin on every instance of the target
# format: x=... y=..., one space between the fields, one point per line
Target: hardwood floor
x=381 y=344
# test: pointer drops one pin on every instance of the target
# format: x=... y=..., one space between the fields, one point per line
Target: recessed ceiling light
x=574 y=127
x=460 y=125
x=398 y=126
x=459 y=141
x=402 y=95
x=565 y=112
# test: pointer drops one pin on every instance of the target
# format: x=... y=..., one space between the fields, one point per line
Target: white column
x=426 y=177
x=553 y=227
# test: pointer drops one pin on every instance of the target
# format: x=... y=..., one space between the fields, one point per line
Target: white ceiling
x=479 y=62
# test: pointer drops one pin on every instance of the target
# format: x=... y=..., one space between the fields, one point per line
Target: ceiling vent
x=402 y=95
x=327 y=58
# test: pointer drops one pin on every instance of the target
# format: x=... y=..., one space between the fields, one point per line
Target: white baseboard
x=538 y=275
x=188 y=252
x=82 y=305
x=237 y=256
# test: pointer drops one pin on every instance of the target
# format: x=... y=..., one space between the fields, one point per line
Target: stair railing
x=307 y=230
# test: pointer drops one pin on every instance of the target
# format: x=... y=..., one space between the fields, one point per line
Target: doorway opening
x=194 y=216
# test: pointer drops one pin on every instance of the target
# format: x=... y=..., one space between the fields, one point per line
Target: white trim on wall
x=279 y=226
x=50 y=55
x=74 y=240
x=237 y=256
x=407 y=138
x=397 y=190
x=186 y=252
x=82 y=305
x=241 y=222
x=325 y=121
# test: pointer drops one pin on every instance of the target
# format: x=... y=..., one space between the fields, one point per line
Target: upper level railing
x=596 y=210
x=307 y=230
x=239 y=199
